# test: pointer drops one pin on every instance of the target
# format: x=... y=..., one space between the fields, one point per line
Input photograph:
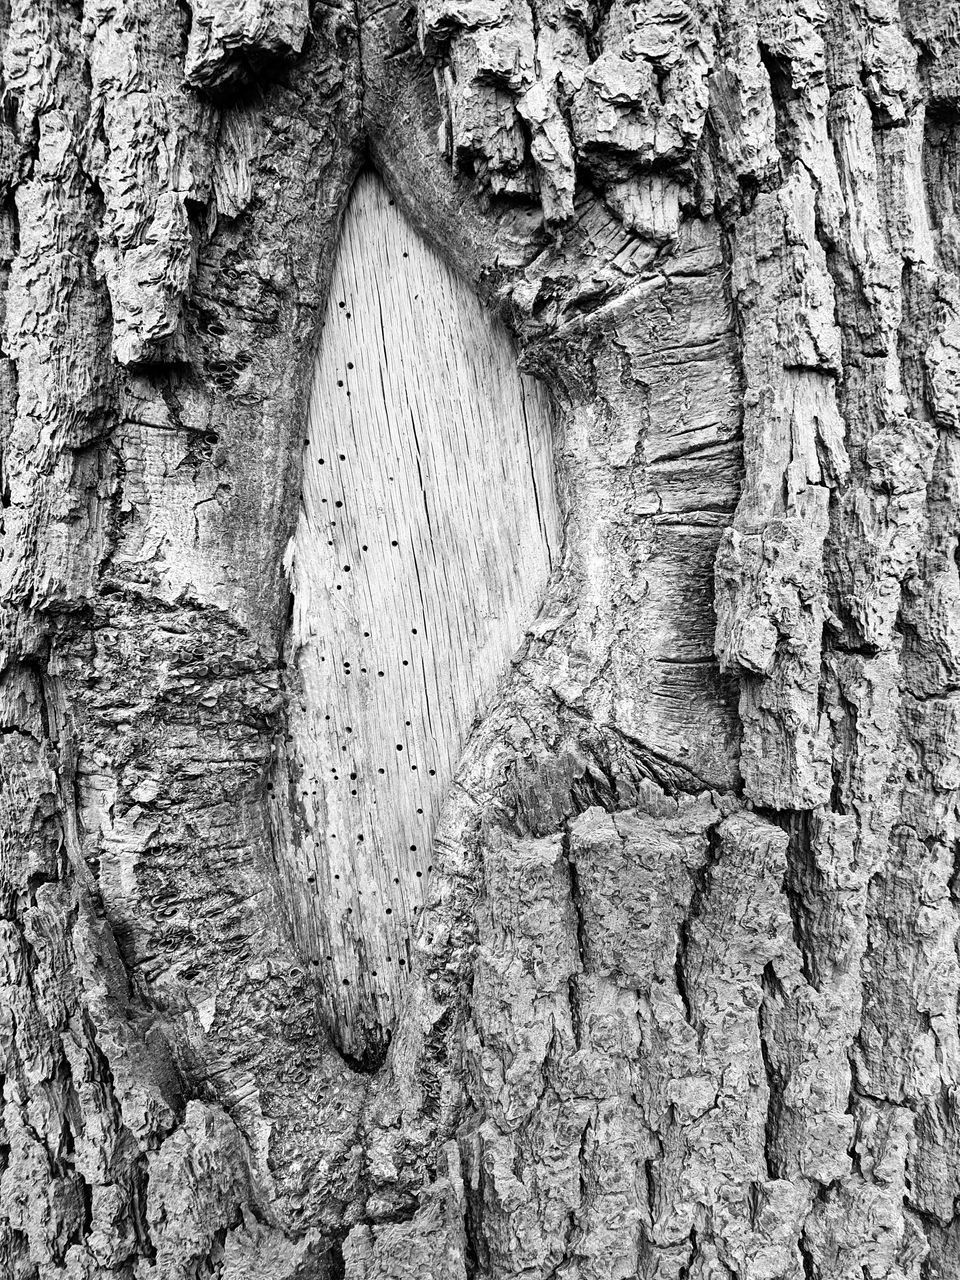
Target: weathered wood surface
x=428 y=525
x=684 y=999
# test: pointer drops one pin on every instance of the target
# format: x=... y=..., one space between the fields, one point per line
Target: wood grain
x=427 y=530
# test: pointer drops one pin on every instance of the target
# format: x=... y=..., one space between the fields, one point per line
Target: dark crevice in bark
x=476 y=1256
x=701 y=885
x=686 y=1270
x=117 y=517
x=786 y=101
x=356 y=34
x=771 y=990
x=943 y=111
x=584 y=1187
x=374 y=1055
x=802 y=886
x=573 y=982
x=806 y=1259
x=679 y=969
x=337 y=1269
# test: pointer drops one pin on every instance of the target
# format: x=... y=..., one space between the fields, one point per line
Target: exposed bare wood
x=428 y=525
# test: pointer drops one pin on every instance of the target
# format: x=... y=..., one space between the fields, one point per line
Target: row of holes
x=364 y=671
x=322 y=462
x=414 y=768
x=338 y=504
x=312 y=879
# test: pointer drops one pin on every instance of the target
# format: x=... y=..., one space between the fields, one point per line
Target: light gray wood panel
x=427 y=530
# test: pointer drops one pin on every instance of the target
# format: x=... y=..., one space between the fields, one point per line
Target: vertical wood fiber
x=428 y=526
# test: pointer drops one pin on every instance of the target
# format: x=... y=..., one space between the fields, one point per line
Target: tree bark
x=680 y=991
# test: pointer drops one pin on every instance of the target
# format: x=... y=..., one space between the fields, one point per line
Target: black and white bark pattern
x=427 y=528
x=680 y=995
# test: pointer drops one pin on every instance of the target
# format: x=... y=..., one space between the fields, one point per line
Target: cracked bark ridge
x=617 y=1051
x=151 y=151
x=231 y=42
x=770 y=588
x=528 y=93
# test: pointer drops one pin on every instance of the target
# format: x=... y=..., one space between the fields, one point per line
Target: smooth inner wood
x=427 y=530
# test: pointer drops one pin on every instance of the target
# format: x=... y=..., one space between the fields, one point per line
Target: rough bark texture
x=684 y=994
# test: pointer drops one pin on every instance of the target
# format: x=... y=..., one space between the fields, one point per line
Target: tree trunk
x=480 y=667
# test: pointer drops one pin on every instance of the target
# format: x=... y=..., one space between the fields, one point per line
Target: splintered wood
x=427 y=530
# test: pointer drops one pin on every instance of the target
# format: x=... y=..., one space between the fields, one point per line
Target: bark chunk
x=229 y=39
